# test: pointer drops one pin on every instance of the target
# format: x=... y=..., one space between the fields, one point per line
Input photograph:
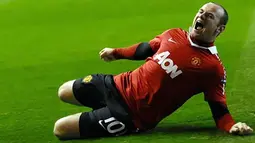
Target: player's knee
x=65 y=91
x=60 y=129
x=67 y=127
x=62 y=93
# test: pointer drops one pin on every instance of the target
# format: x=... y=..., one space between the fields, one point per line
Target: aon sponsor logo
x=167 y=64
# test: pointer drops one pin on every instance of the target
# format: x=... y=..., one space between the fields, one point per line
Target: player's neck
x=202 y=43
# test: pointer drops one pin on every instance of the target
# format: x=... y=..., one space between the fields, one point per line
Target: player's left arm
x=224 y=120
x=221 y=115
x=216 y=97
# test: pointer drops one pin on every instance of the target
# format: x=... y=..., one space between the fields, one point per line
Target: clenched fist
x=107 y=54
x=240 y=129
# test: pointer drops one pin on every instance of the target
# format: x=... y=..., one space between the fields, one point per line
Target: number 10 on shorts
x=113 y=126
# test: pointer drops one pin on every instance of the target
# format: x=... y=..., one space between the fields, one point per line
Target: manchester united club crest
x=196 y=61
x=87 y=79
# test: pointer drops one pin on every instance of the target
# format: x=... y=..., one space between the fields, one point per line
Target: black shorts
x=110 y=114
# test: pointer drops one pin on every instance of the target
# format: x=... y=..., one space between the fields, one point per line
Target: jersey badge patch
x=195 y=61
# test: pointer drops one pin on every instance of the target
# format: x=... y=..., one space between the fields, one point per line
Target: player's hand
x=240 y=129
x=107 y=54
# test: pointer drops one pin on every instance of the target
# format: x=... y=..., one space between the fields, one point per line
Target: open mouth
x=199 y=25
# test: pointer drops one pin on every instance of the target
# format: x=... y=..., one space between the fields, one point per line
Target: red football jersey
x=178 y=70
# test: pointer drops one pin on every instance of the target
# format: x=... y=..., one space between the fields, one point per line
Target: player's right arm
x=139 y=51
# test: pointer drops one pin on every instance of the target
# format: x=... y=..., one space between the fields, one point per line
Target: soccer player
x=178 y=65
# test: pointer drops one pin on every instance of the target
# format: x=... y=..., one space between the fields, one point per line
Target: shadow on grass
x=183 y=129
x=174 y=130
x=190 y=129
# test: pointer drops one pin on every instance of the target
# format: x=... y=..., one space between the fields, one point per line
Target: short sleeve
x=155 y=43
x=215 y=86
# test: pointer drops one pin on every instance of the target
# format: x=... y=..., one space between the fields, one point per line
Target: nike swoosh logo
x=171 y=40
x=100 y=122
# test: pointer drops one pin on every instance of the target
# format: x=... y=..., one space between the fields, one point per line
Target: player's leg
x=65 y=93
x=97 y=123
x=68 y=127
x=84 y=91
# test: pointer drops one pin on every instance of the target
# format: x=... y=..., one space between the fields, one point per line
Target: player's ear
x=220 y=29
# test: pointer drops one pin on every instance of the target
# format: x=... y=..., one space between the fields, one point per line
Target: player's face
x=206 y=25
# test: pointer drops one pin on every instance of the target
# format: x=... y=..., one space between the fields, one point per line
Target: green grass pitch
x=44 y=43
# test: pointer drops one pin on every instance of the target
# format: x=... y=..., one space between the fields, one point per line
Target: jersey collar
x=212 y=49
